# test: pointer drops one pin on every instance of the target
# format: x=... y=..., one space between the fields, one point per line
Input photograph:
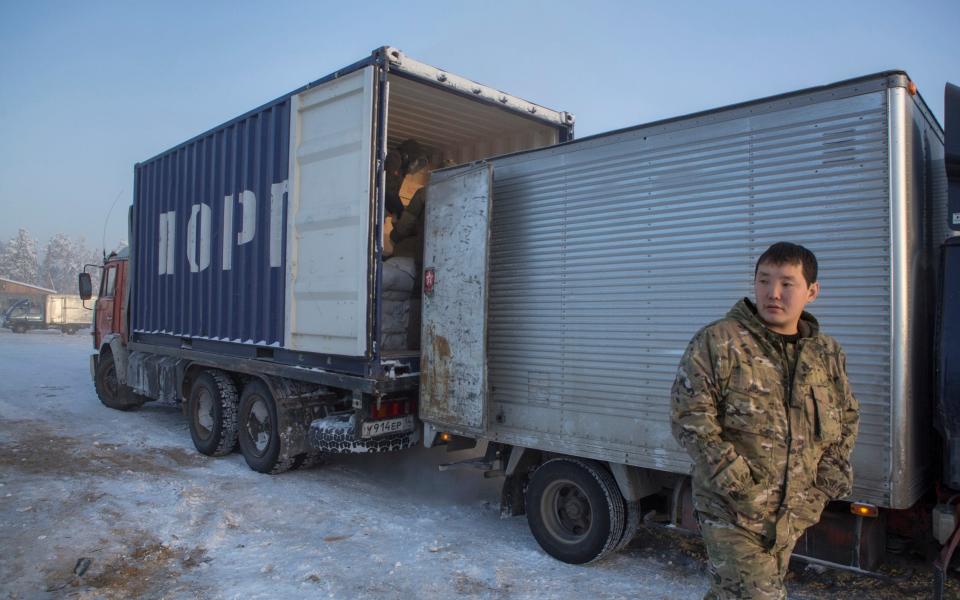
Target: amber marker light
x=912 y=88
x=444 y=437
x=864 y=510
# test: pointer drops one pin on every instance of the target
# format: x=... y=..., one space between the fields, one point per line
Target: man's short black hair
x=785 y=253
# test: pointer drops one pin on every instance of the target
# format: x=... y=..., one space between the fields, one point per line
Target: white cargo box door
x=328 y=238
x=56 y=310
x=453 y=370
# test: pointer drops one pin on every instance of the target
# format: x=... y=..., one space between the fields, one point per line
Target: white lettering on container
x=203 y=212
x=199 y=226
x=166 y=245
x=228 y=232
x=249 y=202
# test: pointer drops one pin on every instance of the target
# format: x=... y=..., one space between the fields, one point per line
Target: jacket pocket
x=828 y=415
x=745 y=412
x=737 y=487
x=734 y=478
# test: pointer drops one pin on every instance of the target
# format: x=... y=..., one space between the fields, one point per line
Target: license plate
x=374 y=428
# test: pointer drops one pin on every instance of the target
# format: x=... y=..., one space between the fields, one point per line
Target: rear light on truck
x=392 y=408
x=864 y=510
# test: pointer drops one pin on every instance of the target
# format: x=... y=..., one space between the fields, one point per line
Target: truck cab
x=108 y=309
x=109 y=359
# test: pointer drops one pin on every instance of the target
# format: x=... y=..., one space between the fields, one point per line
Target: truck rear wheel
x=111 y=392
x=631 y=524
x=575 y=510
x=259 y=434
x=212 y=408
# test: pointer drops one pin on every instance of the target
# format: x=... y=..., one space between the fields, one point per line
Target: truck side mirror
x=86 y=287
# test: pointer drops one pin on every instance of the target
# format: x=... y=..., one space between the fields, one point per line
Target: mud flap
x=298 y=405
x=512 y=503
x=120 y=354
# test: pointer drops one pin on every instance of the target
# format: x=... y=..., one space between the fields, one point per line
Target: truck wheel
x=212 y=408
x=70 y=330
x=111 y=392
x=260 y=441
x=19 y=328
x=631 y=524
x=575 y=510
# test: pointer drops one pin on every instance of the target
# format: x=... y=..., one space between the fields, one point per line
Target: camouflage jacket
x=767 y=455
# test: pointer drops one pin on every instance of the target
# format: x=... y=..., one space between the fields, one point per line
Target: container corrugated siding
x=245 y=303
x=608 y=255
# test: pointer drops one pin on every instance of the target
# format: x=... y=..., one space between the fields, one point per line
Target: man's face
x=781 y=294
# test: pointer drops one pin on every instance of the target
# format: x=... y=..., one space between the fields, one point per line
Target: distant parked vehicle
x=59 y=311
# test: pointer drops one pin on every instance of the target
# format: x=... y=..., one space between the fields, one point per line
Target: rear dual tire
x=221 y=419
x=576 y=511
x=260 y=440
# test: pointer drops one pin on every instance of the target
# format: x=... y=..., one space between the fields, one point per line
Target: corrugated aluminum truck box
x=263 y=238
x=606 y=255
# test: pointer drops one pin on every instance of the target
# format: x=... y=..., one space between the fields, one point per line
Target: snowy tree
x=63 y=260
x=91 y=256
x=59 y=263
x=19 y=260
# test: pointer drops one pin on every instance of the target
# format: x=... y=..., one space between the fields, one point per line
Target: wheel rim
x=566 y=511
x=259 y=426
x=203 y=416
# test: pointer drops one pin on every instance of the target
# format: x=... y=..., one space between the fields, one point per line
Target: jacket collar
x=745 y=313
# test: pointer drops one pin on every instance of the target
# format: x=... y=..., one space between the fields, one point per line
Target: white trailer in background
x=65 y=312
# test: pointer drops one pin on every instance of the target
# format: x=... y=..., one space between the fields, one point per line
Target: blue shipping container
x=209 y=233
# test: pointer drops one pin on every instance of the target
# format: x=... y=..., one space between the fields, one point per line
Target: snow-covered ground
x=124 y=499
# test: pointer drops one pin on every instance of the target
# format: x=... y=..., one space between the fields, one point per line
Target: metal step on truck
x=561 y=287
x=258 y=289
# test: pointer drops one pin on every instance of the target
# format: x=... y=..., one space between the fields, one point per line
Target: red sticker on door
x=429 y=278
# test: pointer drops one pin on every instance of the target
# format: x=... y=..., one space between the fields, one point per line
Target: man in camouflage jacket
x=762 y=404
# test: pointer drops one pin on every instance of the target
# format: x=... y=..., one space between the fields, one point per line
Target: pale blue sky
x=89 y=88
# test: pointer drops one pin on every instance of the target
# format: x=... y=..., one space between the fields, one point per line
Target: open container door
x=453 y=374
x=328 y=225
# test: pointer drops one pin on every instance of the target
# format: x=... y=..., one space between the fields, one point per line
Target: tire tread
x=229 y=402
x=616 y=506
